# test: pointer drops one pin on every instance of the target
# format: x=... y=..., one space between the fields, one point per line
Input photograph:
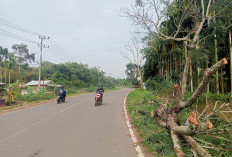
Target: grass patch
x=142 y=102
x=140 y=105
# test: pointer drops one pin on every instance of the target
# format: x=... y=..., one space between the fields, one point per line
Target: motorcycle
x=60 y=98
x=98 y=98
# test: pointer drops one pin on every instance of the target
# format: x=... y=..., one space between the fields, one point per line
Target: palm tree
x=10 y=64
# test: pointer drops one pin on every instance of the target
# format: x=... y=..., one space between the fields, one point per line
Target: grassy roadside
x=41 y=100
x=141 y=103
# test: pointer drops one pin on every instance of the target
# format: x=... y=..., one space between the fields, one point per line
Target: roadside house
x=33 y=85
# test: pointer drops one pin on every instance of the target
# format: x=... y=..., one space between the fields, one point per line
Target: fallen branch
x=176 y=144
x=197 y=147
x=207 y=76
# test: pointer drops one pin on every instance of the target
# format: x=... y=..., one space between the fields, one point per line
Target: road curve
x=74 y=129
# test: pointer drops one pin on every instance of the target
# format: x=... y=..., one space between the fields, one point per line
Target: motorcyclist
x=100 y=90
x=62 y=93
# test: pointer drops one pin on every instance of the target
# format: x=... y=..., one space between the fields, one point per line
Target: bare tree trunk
x=1 y=74
x=196 y=146
x=216 y=51
x=198 y=75
x=202 y=85
x=180 y=69
x=134 y=48
x=9 y=76
x=185 y=74
x=5 y=75
x=159 y=67
x=162 y=68
x=207 y=89
x=230 y=40
x=167 y=69
x=222 y=81
x=170 y=64
x=176 y=64
x=176 y=143
x=191 y=74
x=141 y=77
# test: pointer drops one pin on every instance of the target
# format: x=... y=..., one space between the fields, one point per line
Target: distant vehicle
x=61 y=95
x=60 y=98
x=99 y=95
x=98 y=98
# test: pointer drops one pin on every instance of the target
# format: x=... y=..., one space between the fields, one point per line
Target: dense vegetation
x=187 y=48
x=166 y=58
x=14 y=68
x=15 y=71
x=142 y=105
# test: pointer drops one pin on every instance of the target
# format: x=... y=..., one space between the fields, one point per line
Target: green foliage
x=156 y=138
x=124 y=82
x=167 y=57
x=219 y=97
x=91 y=89
x=132 y=73
x=140 y=105
x=71 y=90
x=221 y=137
x=74 y=75
x=14 y=88
x=41 y=95
x=29 y=90
x=41 y=91
x=159 y=85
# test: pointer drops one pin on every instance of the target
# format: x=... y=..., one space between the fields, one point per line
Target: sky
x=92 y=32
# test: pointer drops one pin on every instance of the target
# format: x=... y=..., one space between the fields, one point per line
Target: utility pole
x=99 y=79
x=41 y=50
x=98 y=70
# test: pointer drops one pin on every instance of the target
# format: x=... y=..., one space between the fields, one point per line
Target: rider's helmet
x=101 y=86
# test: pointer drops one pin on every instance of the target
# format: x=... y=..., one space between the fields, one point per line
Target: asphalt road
x=73 y=129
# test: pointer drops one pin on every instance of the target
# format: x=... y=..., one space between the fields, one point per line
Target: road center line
x=133 y=137
x=36 y=123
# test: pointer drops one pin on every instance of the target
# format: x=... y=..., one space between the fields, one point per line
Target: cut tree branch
x=197 y=147
x=207 y=76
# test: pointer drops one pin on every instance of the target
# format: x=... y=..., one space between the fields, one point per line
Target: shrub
x=35 y=97
x=159 y=85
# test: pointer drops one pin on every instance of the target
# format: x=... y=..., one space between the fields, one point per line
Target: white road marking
x=36 y=123
x=133 y=137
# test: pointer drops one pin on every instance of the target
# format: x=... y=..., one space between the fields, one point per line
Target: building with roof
x=34 y=86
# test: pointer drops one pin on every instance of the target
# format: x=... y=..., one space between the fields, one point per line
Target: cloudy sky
x=92 y=31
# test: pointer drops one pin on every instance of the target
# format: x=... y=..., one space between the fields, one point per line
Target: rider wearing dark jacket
x=100 y=89
x=62 y=92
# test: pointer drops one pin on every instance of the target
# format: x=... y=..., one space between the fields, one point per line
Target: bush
x=219 y=97
x=71 y=90
x=156 y=138
x=160 y=85
x=90 y=89
x=14 y=88
x=41 y=95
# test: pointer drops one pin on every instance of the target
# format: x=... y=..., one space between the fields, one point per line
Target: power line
x=60 y=47
x=15 y=36
x=57 y=49
x=58 y=52
x=54 y=53
x=12 y=25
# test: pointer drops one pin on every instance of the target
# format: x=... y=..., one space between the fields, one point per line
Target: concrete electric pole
x=41 y=49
